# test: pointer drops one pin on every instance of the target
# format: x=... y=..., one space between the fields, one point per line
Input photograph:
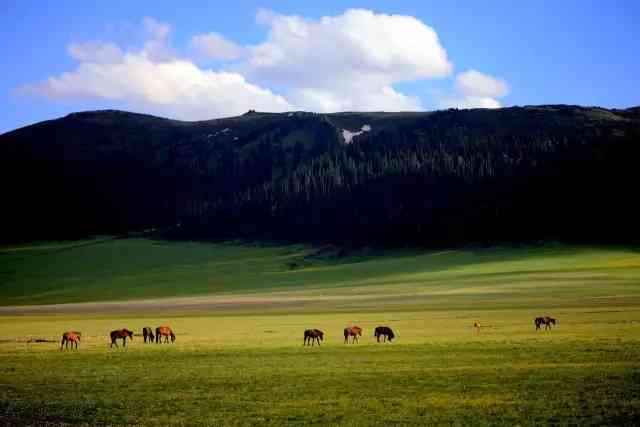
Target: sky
x=196 y=60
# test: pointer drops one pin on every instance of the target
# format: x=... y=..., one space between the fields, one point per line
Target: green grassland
x=239 y=359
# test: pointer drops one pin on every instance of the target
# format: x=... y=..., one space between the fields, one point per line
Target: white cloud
x=155 y=80
x=215 y=46
x=356 y=99
x=476 y=90
x=95 y=51
x=349 y=61
x=177 y=88
x=474 y=83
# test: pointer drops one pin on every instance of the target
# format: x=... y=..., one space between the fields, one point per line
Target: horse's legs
x=124 y=341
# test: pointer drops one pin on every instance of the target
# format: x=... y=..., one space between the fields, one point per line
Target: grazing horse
x=312 y=336
x=121 y=333
x=147 y=333
x=384 y=331
x=545 y=320
x=352 y=331
x=166 y=332
x=72 y=337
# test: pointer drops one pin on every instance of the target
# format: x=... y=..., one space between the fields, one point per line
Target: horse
x=544 y=320
x=477 y=326
x=147 y=333
x=312 y=336
x=72 y=337
x=121 y=333
x=166 y=332
x=384 y=331
x=352 y=331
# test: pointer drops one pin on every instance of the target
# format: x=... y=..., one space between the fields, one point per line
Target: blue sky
x=202 y=59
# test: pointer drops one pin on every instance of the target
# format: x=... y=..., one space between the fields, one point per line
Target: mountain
x=431 y=178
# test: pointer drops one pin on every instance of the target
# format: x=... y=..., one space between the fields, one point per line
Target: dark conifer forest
x=442 y=178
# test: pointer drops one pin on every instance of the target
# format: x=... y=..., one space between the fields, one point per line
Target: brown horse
x=384 y=331
x=312 y=336
x=166 y=332
x=544 y=320
x=123 y=334
x=70 y=337
x=147 y=333
x=352 y=331
x=477 y=326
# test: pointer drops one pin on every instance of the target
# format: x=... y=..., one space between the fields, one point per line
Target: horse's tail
x=64 y=339
x=391 y=335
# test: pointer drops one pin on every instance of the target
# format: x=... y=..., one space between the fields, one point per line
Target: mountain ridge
x=438 y=177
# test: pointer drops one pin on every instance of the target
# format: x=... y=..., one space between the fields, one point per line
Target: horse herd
x=72 y=338
x=311 y=336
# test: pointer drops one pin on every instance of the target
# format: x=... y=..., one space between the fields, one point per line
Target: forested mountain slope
x=435 y=178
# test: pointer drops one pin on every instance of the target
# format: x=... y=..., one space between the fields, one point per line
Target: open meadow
x=239 y=311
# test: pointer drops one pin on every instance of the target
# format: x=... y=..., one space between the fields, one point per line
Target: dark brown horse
x=121 y=334
x=544 y=320
x=384 y=331
x=70 y=337
x=147 y=333
x=166 y=332
x=352 y=331
x=312 y=336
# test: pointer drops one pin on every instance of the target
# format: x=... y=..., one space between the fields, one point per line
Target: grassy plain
x=239 y=359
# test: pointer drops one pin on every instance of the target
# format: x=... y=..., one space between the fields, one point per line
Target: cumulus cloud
x=177 y=88
x=474 y=83
x=476 y=90
x=215 y=46
x=348 y=62
x=357 y=99
x=155 y=80
x=353 y=58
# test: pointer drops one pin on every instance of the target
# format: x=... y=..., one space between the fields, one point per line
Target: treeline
x=446 y=178
x=444 y=186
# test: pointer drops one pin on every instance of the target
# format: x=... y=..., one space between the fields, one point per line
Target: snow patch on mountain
x=348 y=135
